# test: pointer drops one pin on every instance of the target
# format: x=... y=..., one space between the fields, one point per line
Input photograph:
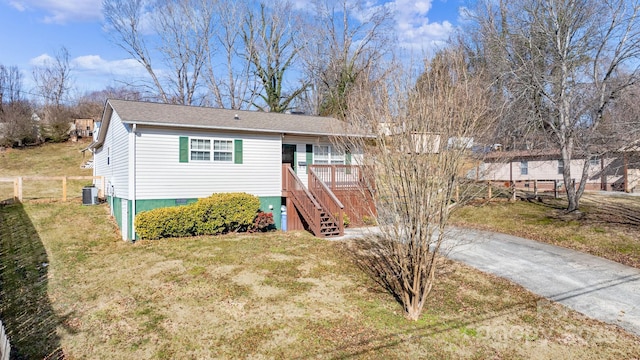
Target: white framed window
x=321 y=154
x=200 y=149
x=594 y=161
x=327 y=155
x=524 y=168
x=223 y=150
x=560 y=167
x=337 y=156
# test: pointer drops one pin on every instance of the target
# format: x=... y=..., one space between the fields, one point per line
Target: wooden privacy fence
x=19 y=182
x=5 y=347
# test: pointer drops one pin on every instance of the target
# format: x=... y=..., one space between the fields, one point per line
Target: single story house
x=157 y=155
x=614 y=171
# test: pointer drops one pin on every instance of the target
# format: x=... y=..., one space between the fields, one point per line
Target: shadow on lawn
x=25 y=308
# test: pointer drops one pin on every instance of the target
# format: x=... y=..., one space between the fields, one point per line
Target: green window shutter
x=309 y=156
x=184 y=149
x=347 y=161
x=237 y=151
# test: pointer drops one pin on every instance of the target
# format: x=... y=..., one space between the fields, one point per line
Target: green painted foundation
x=144 y=205
x=117 y=210
x=275 y=202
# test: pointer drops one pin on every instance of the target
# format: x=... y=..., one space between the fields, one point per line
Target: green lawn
x=262 y=296
x=63 y=159
x=69 y=287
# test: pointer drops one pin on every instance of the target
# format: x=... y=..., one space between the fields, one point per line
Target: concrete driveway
x=596 y=287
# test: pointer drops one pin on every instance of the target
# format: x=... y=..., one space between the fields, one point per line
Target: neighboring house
x=617 y=171
x=157 y=155
x=83 y=127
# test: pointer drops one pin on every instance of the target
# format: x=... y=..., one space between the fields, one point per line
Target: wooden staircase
x=317 y=205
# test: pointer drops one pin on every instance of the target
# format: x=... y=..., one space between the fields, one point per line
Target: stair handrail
x=325 y=192
x=312 y=216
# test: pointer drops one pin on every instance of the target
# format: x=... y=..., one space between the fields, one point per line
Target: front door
x=289 y=155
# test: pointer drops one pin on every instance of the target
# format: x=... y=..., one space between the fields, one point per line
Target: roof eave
x=229 y=128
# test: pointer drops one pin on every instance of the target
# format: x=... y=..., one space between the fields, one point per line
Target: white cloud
x=62 y=11
x=41 y=60
x=97 y=65
x=415 y=31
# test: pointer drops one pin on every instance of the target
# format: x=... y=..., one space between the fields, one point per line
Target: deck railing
x=327 y=199
x=302 y=198
x=339 y=177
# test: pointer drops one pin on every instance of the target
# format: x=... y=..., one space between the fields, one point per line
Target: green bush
x=148 y=225
x=165 y=222
x=216 y=214
x=225 y=212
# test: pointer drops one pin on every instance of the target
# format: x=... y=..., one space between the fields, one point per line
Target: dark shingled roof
x=157 y=114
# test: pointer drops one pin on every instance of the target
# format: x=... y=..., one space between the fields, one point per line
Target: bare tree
x=53 y=82
x=417 y=166
x=91 y=105
x=184 y=29
x=16 y=124
x=231 y=82
x=53 y=78
x=565 y=61
x=346 y=41
x=10 y=84
x=269 y=42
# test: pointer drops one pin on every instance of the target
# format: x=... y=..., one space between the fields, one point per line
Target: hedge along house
x=157 y=155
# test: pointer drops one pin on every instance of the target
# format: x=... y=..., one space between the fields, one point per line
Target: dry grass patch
x=62 y=159
x=607 y=226
x=45 y=160
x=272 y=296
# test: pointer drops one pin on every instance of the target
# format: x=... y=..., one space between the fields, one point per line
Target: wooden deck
x=332 y=192
x=350 y=185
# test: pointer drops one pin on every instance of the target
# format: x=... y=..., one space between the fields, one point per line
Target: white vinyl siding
x=112 y=159
x=160 y=174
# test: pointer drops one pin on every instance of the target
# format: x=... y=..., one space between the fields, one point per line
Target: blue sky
x=32 y=30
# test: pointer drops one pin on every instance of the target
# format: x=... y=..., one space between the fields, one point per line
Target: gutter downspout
x=133 y=187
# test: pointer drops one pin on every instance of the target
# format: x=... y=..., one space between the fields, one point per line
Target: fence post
x=20 y=188
x=102 y=188
x=64 y=188
x=555 y=189
x=489 y=189
x=535 y=188
x=15 y=189
x=457 y=193
x=513 y=191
